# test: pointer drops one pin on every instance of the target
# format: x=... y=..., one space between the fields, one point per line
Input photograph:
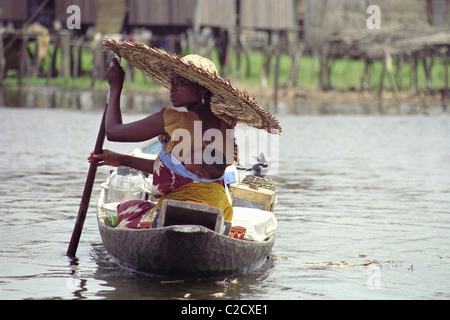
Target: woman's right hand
x=106 y=158
x=115 y=74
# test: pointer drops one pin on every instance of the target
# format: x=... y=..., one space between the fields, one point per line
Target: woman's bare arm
x=110 y=158
x=116 y=130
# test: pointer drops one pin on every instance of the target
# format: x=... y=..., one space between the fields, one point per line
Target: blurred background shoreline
x=288 y=51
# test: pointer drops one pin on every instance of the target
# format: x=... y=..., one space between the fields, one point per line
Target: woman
x=213 y=109
x=168 y=182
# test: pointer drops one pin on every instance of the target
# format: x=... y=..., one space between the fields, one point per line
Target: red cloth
x=130 y=213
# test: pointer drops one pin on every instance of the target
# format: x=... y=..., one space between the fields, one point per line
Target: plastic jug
x=125 y=184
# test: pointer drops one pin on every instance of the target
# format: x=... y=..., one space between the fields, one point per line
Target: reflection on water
x=363 y=208
x=119 y=282
x=50 y=97
x=65 y=98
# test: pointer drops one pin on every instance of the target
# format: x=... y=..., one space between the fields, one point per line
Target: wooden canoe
x=181 y=250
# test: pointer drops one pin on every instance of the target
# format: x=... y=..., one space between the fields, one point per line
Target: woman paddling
x=213 y=109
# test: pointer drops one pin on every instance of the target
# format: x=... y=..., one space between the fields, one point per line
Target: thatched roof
x=374 y=44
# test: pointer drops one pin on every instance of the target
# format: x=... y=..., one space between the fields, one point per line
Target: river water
x=363 y=207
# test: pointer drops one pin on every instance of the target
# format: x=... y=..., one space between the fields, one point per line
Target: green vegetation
x=345 y=73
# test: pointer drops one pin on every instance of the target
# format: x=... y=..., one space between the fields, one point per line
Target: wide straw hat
x=227 y=103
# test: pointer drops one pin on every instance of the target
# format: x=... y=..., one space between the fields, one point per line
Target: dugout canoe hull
x=182 y=250
x=179 y=250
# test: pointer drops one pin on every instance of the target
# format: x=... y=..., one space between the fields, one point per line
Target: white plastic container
x=125 y=184
x=111 y=212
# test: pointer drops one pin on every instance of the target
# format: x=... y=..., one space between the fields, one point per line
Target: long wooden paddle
x=86 y=197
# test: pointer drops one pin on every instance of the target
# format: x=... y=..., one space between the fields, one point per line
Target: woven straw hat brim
x=227 y=102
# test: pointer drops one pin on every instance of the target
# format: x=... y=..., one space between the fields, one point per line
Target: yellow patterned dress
x=170 y=185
